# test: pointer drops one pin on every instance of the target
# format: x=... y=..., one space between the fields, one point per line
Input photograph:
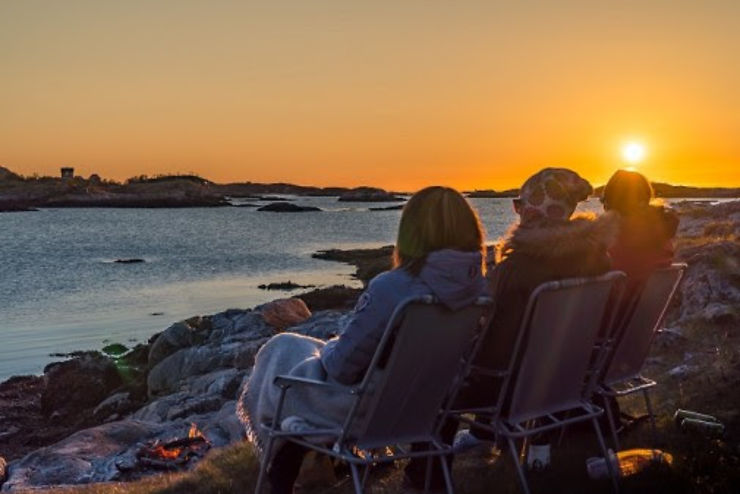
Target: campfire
x=175 y=454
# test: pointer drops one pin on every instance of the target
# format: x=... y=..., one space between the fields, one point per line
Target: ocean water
x=60 y=290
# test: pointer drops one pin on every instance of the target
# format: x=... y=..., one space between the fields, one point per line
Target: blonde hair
x=436 y=218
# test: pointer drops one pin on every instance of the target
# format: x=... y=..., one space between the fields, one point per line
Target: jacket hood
x=455 y=277
x=580 y=235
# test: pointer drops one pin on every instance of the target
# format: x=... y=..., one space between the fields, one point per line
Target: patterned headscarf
x=551 y=194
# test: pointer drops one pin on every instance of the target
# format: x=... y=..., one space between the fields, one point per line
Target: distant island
x=19 y=193
x=666 y=191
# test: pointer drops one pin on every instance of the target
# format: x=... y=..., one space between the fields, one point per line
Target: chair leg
x=447 y=475
x=356 y=478
x=428 y=475
x=605 y=452
x=263 y=465
x=518 y=465
x=612 y=425
x=653 y=428
x=365 y=474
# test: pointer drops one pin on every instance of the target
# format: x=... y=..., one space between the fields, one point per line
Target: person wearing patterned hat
x=548 y=243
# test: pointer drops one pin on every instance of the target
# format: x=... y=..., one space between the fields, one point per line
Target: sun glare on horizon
x=633 y=152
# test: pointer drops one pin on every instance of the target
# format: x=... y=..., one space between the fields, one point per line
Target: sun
x=633 y=152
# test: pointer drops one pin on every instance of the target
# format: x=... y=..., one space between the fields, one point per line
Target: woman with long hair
x=439 y=250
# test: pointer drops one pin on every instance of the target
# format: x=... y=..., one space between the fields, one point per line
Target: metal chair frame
x=527 y=426
x=345 y=446
x=634 y=382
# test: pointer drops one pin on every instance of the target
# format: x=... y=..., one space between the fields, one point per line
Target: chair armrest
x=285 y=381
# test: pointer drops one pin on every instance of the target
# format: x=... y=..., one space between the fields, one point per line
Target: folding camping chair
x=420 y=362
x=634 y=334
x=547 y=385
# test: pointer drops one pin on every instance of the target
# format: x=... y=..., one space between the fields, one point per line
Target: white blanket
x=295 y=355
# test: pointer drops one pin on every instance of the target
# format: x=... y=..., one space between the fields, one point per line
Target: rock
x=368 y=194
x=323 y=325
x=165 y=377
x=284 y=285
x=224 y=382
x=287 y=207
x=388 y=208
x=681 y=371
x=244 y=358
x=115 y=404
x=78 y=384
x=129 y=261
x=182 y=334
x=284 y=313
x=195 y=405
x=713 y=277
x=369 y=262
x=719 y=313
x=86 y=456
x=333 y=297
x=8 y=432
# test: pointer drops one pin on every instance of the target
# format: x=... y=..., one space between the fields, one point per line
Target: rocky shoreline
x=86 y=419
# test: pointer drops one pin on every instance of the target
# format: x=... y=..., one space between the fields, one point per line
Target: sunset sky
x=398 y=94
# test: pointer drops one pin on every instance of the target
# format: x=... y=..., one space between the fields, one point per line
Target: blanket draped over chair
x=295 y=355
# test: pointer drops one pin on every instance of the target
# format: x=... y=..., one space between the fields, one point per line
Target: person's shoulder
x=390 y=281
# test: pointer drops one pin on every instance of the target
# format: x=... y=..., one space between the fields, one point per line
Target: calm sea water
x=59 y=290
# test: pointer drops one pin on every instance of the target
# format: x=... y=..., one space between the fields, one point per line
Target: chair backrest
x=552 y=356
x=419 y=363
x=642 y=320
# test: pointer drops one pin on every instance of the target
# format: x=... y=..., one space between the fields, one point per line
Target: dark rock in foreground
x=368 y=194
x=78 y=385
x=133 y=260
x=287 y=207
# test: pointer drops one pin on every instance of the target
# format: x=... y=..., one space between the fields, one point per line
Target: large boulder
x=78 y=385
x=183 y=334
x=284 y=313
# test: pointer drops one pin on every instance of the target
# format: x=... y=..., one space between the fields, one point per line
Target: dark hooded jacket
x=453 y=276
x=530 y=257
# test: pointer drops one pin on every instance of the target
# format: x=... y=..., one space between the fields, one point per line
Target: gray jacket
x=453 y=276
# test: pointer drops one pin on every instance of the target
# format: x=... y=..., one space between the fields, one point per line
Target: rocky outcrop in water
x=287 y=207
x=369 y=194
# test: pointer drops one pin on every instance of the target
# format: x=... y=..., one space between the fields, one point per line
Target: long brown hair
x=436 y=218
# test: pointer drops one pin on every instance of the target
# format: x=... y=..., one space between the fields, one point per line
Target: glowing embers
x=175 y=454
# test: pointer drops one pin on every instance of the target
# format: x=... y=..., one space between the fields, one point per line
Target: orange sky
x=394 y=94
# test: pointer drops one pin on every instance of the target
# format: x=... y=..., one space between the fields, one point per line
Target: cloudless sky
x=398 y=94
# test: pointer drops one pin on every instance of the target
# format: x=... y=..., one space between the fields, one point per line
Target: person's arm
x=347 y=357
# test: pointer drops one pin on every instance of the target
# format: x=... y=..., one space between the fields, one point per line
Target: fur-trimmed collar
x=582 y=234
